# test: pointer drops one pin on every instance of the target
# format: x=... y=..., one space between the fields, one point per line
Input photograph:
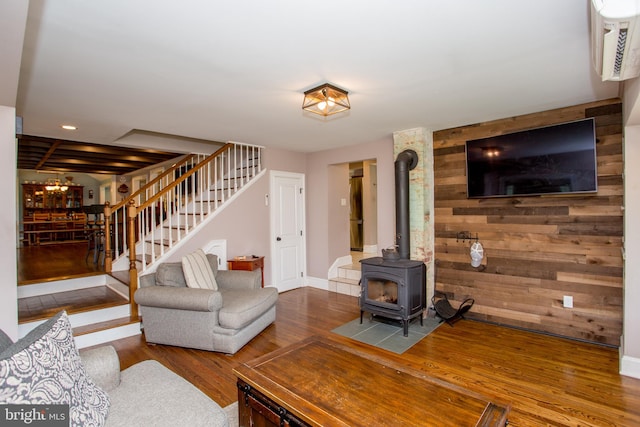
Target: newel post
x=131 y=242
x=107 y=238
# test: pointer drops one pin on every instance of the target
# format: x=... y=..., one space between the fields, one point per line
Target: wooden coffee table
x=327 y=381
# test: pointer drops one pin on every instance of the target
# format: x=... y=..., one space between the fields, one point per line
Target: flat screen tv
x=556 y=159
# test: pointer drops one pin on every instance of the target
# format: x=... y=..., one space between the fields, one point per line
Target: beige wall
x=337 y=213
x=324 y=243
x=282 y=160
x=245 y=223
x=13 y=20
x=630 y=352
x=8 y=225
x=370 y=203
x=631 y=319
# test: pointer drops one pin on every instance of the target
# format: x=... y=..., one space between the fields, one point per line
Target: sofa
x=222 y=316
x=46 y=368
x=148 y=394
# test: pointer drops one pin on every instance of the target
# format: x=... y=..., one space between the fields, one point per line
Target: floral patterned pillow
x=44 y=367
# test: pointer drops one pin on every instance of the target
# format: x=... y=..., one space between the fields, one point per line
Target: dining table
x=36 y=232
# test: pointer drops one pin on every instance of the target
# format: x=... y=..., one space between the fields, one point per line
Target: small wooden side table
x=247 y=263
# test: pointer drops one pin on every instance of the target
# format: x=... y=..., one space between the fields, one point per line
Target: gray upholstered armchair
x=221 y=320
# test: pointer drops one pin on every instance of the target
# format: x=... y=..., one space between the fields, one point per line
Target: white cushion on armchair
x=197 y=271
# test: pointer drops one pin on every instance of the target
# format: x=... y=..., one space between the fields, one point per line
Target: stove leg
x=361 y=312
x=405 y=327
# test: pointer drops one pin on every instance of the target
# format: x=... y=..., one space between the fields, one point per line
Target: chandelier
x=326 y=100
x=54 y=186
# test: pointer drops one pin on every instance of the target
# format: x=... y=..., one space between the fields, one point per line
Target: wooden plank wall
x=537 y=248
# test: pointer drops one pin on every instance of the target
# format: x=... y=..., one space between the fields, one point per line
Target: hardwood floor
x=45 y=263
x=55 y=262
x=548 y=381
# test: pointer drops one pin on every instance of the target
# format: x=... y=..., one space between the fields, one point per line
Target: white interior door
x=288 y=262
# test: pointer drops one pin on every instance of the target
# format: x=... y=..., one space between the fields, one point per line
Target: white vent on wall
x=219 y=248
x=615 y=43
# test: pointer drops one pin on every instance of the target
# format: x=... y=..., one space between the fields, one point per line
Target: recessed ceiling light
x=69 y=127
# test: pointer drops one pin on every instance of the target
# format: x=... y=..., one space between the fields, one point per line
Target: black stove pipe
x=406 y=161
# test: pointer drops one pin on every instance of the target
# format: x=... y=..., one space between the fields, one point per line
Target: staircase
x=149 y=225
x=152 y=222
x=348 y=276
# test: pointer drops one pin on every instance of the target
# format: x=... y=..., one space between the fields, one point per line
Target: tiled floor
x=387 y=334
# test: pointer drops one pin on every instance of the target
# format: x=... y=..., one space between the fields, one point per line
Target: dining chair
x=42 y=224
x=59 y=223
x=79 y=226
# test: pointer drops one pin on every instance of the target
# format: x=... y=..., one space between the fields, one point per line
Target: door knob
x=278 y=239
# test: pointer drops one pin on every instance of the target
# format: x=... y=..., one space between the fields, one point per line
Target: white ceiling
x=237 y=70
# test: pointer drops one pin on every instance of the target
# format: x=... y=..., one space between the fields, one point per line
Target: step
x=75 y=283
x=147 y=259
x=93 y=324
x=343 y=285
x=122 y=277
x=96 y=326
x=159 y=242
x=82 y=317
x=107 y=324
x=210 y=202
x=350 y=271
x=348 y=280
x=109 y=330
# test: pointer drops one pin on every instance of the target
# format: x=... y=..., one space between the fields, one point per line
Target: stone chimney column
x=421 y=198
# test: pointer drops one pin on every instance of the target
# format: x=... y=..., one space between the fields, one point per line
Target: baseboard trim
x=83 y=318
x=45 y=288
x=344 y=260
x=630 y=366
x=108 y=335
x=316 y=282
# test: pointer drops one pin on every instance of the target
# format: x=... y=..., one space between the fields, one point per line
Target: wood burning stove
x=394 y=286
x=393 y=289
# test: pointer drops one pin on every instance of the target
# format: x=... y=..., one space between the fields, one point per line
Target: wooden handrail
x=153 y=182
x=183 y=177
x=169 y=172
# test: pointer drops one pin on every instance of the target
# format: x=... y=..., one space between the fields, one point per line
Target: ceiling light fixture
x=69 y=127
x=54 y=186
x=326 y=100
